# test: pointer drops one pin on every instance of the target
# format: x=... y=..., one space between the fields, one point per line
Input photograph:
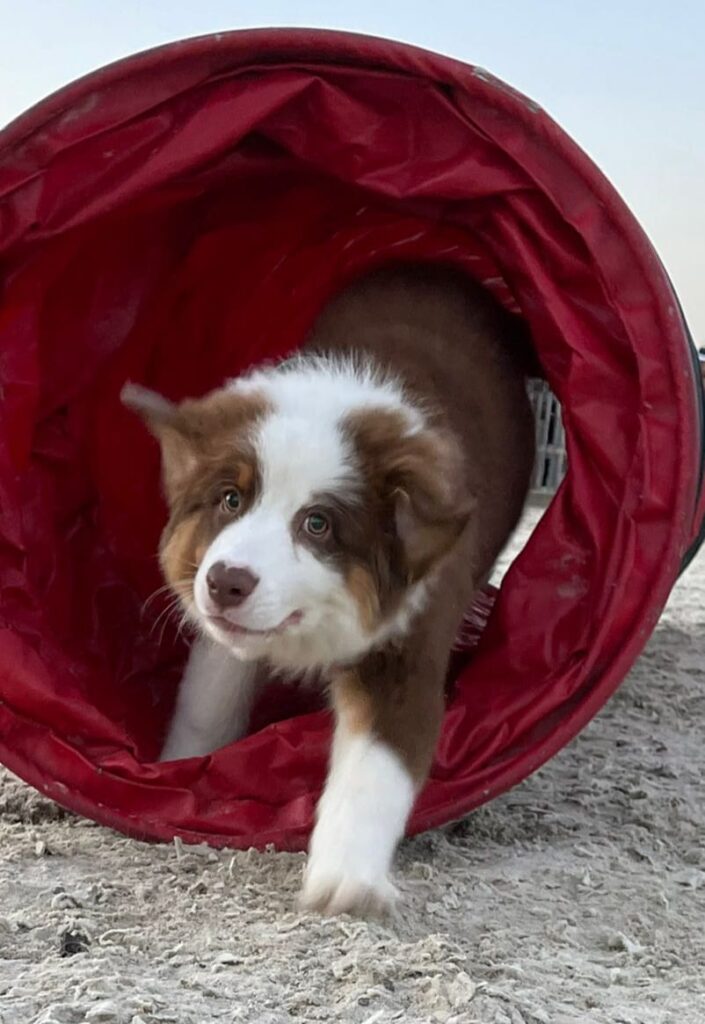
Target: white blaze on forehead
x=298 y=458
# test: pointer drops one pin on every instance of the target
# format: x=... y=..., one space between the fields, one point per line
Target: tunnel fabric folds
x=182 y=214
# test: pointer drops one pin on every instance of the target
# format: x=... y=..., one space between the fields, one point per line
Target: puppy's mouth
x=235 y=629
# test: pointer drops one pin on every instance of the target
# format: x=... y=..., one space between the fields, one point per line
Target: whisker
x=154 y=595
x=179 y=592
x=177 y=585
x=182 y=623
x=165 y=615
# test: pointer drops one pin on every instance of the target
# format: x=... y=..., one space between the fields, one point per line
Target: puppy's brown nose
x=230 y=585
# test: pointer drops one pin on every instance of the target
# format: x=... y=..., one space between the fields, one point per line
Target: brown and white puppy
x=333 y=515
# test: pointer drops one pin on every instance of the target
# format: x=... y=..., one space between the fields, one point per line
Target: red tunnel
x=177 y=216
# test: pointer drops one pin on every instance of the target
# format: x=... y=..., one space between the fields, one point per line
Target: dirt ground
x=577 y=897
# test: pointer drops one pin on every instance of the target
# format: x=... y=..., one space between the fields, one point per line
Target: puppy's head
x=300 y=524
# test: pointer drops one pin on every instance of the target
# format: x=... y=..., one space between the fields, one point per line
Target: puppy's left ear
x=432 y=506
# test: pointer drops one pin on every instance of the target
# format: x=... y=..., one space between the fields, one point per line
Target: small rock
x=461 y=990
x=72 y=942
x=63 y=901
x=620 y=941
x=228 y=958
x=104 y=1011
x=691 y=878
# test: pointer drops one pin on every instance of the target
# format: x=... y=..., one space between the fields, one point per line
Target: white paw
x=330 y=893
x=349 y=863
x=360 y=819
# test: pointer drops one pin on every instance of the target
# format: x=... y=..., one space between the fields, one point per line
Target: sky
x=625 y=78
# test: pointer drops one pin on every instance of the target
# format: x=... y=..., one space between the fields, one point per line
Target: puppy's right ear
x=167 y=422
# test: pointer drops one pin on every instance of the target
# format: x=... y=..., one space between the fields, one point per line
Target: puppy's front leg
x=387 y=721
x=214 y=702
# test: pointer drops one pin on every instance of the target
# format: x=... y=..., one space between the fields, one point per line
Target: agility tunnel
x=181 y=214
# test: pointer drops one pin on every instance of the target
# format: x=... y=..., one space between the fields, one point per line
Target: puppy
x=332 y=516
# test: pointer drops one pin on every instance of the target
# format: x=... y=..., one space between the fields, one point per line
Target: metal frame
x=551 y=457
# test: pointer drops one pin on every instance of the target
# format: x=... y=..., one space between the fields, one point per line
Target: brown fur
x=364 y=546
x=362 y=585
x=353 y=703
x=450 y=496
x=179 y=553
x=394 y=694
x=205 y=451
x=421 y=477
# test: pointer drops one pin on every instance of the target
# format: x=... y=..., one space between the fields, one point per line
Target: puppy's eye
x=231 y=500
x=316 y=524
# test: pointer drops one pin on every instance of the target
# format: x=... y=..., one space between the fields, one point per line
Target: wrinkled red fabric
x=182 y=214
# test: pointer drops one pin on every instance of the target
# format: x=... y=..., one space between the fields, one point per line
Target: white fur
x=324 y=389
x=360 y=819
x=214 y=702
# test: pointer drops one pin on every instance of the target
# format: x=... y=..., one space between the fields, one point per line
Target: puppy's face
x=296 y=535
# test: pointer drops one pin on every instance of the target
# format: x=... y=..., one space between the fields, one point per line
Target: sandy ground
x=578 y=897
